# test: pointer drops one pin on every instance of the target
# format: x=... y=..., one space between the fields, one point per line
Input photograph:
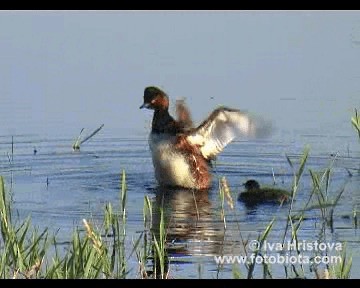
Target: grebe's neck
x=163 y=123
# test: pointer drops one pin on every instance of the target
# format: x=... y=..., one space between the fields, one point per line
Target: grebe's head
x=251 y=185
x=155 y=99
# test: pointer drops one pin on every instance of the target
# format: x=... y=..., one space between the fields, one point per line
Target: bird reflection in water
x=190 y=228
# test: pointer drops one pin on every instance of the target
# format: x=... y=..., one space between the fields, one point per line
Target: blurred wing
x=183 y=115
x=222 y=126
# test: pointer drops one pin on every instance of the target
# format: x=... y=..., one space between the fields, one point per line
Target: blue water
x=59 y=187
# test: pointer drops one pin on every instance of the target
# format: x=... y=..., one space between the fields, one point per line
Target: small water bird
x=182 y=154
x=255 y=194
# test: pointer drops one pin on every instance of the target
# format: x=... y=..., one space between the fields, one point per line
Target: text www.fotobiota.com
x=277 y=259
x=284 y=258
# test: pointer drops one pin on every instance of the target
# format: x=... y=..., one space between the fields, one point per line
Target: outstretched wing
x=222 y=126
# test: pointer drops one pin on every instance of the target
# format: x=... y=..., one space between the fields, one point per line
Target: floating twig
x=78 y=142
x=76 y=145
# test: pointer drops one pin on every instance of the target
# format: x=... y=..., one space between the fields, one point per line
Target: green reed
x=91 y=255
x=355 y=121
x=225 y=194
x=261 y=240
x=120 y=241
x=143 y=247
x=320 y=189
x=160 y=253
x=154 y=243
x=25 y=252
x=342 y=270
x=22 y=252
x=93 y=252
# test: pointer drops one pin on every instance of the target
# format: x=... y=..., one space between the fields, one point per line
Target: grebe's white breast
x=171 y=166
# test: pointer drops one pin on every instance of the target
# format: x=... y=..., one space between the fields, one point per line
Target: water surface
x=59 y=187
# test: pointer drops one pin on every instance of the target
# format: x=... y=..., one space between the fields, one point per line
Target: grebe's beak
x=145 y=105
